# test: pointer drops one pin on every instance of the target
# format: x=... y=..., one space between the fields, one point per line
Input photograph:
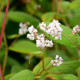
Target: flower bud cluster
x=40 y=39
x=52 y=29
x=22 y=29
x=42 y=42
x=58 y=61
x=76 y=29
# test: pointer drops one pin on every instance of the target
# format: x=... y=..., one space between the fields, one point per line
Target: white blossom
x=58 y=61
x=31 y=36
x=42 y=26
x=54 y=29
x=24 y=26
x=76 y=29
x=23 y=29
x=41 y=37
x=40 y=40
x=40 y=43
x=48 y=43
x=32 y=30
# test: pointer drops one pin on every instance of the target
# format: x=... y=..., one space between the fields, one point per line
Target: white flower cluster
x=41 y=42
x=58 y=61
x=33 y=33
x=53 y=29
x=76 y=29
x=23 y=29
x=40 y=39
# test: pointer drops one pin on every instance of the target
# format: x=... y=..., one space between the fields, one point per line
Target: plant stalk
x=3 y=26
x=6 y=54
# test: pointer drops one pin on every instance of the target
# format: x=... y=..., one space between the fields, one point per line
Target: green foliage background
x=21 y=50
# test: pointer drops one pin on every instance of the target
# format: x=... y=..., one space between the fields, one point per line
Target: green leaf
x=16 y=69
x=13 y=36
x=66 y=67
x=18 y=16
x=61 y=77
x=12 y=62
x=23 y=75
x=74 y=17
x=65 y=5
x=78 y=72
x=70 y=77
x=1 y=19
x=72 y=52
x=74 y=4
x=53 y=53
x=7 y=77
x=48 y=16
x=45 y=4
x=25 y=47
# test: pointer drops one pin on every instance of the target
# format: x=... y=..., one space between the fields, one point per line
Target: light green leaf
x=25 y=47
x=48 y=16
x=61 y=77
x=23 y=75
x=75 y=4
x=7 y=77
x=13 y=36
x=18 y=16
x=70 y=77
x=53 y=53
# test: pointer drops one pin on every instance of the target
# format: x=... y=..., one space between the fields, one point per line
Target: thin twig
x=1 y=73
x=6 y=54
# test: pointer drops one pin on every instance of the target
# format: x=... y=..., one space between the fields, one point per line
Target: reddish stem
x=1 y=74
x=3 y=26
x=1 y=36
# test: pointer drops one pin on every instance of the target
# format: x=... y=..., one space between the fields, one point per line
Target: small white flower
x=23 y=26
x=76 y=29
x=48 y=43
x=32 y=30
x=31 y=36
x=57 y=56
x=22 y=31
x=42 y=26
x=41 y=37
x=58 y=61
x=56 y=22
x=40 y=43
x=54 y=29
x=52 y=61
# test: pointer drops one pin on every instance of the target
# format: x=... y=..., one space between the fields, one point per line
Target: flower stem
x=1 y=74
x=6 y=54
x=42 y=58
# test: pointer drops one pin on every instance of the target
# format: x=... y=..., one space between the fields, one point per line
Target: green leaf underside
x=25 y=47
